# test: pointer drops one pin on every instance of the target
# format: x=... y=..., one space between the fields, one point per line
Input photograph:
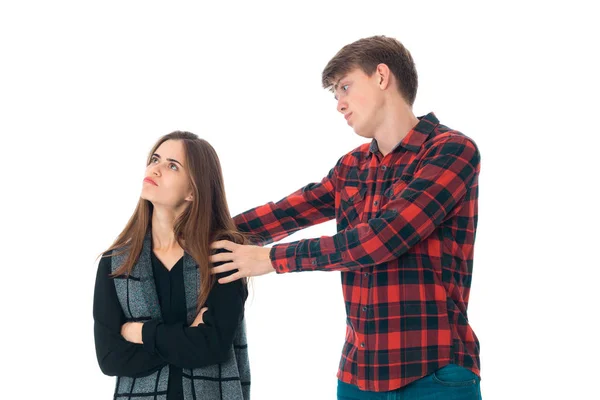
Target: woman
x=162 y=324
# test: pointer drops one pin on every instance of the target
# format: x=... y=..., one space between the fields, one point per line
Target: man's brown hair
x=369 y=52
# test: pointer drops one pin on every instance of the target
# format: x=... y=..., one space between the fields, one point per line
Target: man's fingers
x=224 y=244
x=231 y=278
x=221 y=257
x=223 y=268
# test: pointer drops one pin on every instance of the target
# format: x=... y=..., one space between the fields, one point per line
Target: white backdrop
x=87 y=87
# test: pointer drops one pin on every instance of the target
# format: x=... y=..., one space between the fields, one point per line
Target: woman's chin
x=147 y=194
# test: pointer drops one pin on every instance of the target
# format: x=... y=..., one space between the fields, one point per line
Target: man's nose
x=341 y=106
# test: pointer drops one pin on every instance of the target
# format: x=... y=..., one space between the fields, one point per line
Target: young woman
x=162 y=324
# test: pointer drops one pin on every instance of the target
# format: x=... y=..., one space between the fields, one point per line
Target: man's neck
x=399 y=120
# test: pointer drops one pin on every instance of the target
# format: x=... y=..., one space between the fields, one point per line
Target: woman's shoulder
x=232 y=236
x=105 y=261
x=119 y=253
x=106 y=258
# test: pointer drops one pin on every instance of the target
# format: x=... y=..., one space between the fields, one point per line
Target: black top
x=170 y=341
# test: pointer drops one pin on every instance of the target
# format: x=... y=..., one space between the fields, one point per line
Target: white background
x=87 y=87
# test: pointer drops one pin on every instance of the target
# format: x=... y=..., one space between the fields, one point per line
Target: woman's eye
x=173 y=167
x=345 y=88
x=153 y=160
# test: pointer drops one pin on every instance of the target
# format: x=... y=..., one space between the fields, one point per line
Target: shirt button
x=364 y=309
x=383 y=167
x=366 y=274
x=314 y=262
x=362 y=344
x=376 y=202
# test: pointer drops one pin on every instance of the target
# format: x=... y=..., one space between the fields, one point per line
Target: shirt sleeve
x=210 y=342
x=116 y=356
x=310 y=205
x=416 y=208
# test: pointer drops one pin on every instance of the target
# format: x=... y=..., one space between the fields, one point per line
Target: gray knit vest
x=139 y=300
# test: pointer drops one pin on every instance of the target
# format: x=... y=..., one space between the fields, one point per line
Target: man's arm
x=310 y=205
x=412 y=214
x=440 y=183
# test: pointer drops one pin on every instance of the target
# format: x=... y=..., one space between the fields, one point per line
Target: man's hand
x=199 y=317
x=248 y=260
x=132 y=332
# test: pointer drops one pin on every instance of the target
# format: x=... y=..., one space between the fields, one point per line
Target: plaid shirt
x=406 y=228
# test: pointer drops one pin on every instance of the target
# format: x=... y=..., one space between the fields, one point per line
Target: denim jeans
x=451 y=382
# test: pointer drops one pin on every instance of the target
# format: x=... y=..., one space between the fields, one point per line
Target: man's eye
x=345 y=88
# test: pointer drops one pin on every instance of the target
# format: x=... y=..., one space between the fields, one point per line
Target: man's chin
x=362 y=134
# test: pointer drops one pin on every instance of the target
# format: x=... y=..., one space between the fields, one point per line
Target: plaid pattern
x=406 y=229
x=139 y=300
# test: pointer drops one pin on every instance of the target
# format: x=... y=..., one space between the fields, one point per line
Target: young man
x=406 y=212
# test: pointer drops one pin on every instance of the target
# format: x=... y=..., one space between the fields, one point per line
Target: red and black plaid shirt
x=406 y=228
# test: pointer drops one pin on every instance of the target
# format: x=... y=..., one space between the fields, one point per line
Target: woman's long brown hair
x=205 y=219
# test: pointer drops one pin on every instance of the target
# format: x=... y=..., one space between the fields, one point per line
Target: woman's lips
x=150 y=181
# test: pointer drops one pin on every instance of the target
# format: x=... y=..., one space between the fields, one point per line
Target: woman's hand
x=132 y=332
x=198 y=319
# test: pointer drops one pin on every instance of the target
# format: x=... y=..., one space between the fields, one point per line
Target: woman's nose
x=155 y=169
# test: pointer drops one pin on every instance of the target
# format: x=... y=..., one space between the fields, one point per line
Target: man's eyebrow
x=335 y=85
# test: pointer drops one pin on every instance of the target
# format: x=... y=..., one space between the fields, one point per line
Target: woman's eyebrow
x=173 y=160
x=168 y=159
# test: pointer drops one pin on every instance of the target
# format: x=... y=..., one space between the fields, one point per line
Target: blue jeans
x=451 y=382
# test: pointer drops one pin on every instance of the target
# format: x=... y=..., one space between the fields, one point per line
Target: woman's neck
x=163 y=235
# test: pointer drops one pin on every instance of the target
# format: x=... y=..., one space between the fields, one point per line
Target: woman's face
x=166 y=182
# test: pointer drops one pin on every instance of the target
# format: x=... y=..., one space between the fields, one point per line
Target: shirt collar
x=415 y=138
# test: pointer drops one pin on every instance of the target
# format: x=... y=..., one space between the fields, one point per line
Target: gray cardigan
x=138 y=297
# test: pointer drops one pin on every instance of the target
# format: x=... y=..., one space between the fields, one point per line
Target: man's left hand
x=247 y=259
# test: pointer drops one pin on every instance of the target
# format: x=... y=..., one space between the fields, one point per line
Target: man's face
x=360 y=98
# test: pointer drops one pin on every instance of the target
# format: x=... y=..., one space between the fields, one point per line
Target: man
x=406 y=212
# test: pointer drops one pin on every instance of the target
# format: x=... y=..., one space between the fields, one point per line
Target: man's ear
x=384 y=76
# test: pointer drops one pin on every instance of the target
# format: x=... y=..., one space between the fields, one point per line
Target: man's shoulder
x=443 y=134
x=449 y=142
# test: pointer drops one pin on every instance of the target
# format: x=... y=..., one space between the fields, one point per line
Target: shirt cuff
x=149 y=335
x=279 y=263
x=284 y=259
